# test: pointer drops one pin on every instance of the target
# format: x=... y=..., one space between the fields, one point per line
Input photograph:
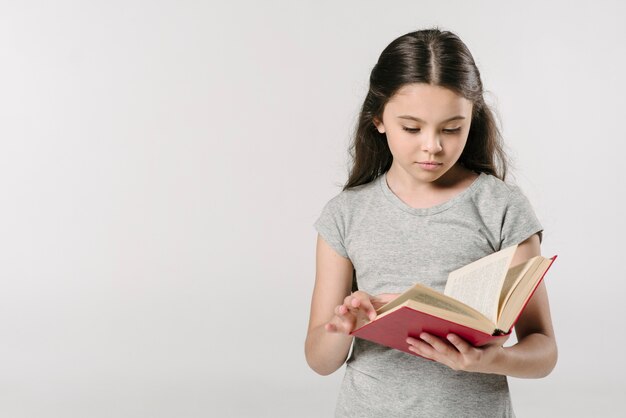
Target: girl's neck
x=427 y=194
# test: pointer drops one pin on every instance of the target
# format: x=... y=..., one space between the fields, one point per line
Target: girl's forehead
x=427 y=99
x=424 y=92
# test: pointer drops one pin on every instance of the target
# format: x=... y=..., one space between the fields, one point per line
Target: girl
x=426 y=195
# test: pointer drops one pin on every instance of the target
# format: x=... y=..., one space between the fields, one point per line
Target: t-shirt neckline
x=400 y=204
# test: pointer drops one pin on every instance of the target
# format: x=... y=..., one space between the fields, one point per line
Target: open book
x=481 y=303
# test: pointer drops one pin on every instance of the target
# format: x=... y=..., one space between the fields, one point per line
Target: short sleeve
x=519 y=222
x=331 y=225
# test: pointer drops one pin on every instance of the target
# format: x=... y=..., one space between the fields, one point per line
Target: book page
x=521 y=292
x=513 y=277
x=478 y=322
x=479 y=284
x=426 y=295
x=442 y=303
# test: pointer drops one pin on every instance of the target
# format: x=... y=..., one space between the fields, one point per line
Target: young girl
x=426 y=195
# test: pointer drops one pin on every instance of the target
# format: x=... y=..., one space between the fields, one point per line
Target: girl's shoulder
x=498 y=199
x=491 y=187
x=356 y=193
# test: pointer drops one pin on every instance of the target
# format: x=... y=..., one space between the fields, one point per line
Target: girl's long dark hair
x=434 y=57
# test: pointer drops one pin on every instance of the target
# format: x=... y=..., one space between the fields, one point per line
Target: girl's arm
x=325 y=352
x=335 y=312
x=534 y=355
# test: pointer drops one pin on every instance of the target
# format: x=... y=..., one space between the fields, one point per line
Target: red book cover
x=393 y=328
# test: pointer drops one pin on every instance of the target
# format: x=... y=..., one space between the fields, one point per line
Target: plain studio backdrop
x=162 y=164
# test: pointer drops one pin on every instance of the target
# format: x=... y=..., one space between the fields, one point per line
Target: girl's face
x=427 y=128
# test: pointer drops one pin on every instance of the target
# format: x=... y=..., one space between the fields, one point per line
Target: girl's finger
x=383 y=298
x=463 y=346
x=367 y=307
x=436 y=343
x=341 y=310
x=347 y=322
x=336 y=325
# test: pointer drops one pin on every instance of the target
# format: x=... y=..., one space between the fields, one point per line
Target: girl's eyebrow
x=420 y=120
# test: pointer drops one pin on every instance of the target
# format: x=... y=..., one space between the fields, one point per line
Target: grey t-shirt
x=393 y=246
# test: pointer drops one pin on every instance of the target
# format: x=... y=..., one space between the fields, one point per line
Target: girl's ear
x=379 y=125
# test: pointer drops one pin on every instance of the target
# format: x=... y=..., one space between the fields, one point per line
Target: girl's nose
x=432 y=144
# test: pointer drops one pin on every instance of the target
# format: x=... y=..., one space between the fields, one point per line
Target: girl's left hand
x=457 y=353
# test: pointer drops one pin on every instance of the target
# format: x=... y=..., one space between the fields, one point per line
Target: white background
x=162 y=164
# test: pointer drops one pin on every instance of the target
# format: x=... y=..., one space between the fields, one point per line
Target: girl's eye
x=415 y=130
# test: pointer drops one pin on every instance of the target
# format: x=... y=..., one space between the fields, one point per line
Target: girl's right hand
x=357 y=309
